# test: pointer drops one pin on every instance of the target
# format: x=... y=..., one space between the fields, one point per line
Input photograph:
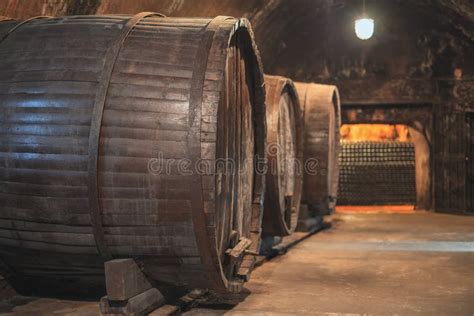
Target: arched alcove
x=395 y=123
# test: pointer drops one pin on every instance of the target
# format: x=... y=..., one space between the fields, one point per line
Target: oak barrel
x=123 y=137
x=322 y=120
x=6 y=25
x=284 y=178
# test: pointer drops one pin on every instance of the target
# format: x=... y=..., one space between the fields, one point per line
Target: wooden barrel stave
x=47 y=117
x=285 y=157
x=322 y=117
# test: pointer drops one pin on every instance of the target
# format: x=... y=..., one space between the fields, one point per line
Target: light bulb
x=364 y=28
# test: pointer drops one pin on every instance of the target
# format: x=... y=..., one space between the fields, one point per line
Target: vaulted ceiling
x=314 y=39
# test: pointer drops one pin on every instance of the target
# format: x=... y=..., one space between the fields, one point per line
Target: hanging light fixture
x=364 y=26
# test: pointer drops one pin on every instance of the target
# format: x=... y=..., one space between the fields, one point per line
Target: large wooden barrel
x=6 y=25
x=285 y=157
x=114 y=130
x=322 y=120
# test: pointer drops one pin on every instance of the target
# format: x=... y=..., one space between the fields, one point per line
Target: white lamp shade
x=364 y=28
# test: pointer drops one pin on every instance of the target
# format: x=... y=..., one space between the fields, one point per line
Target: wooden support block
x=166 y=310
x=124 y=279
x=139 y=305
x=240 y=248
x=235 y=286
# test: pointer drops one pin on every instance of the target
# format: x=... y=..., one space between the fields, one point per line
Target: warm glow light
x=375 y=132
x=364 y=28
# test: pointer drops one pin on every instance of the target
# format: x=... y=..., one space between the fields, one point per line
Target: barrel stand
x=129 y=292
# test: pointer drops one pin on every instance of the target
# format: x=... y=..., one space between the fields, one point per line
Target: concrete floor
x=403 y=264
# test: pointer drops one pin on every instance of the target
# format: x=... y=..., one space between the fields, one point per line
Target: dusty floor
x=403 y=264
x=371 y=264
